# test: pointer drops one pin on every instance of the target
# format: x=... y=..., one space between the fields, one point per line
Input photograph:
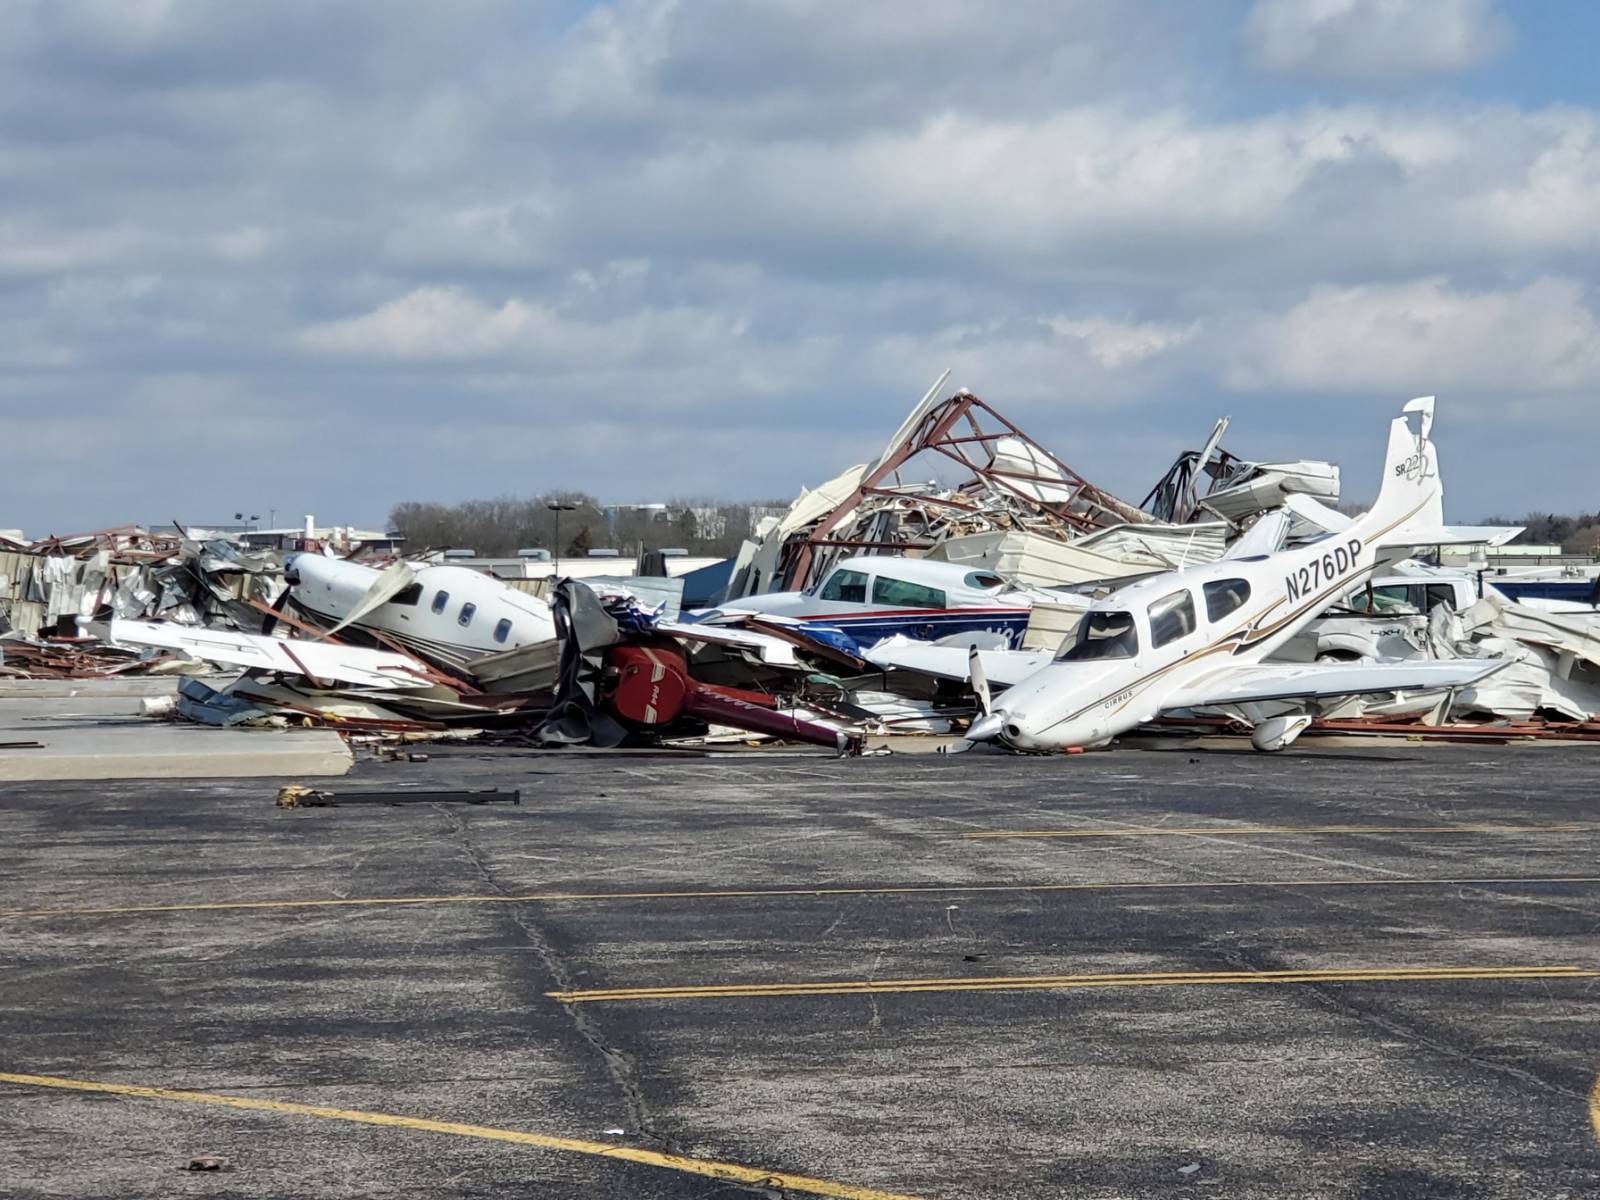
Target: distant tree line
x=498 y=528
x=1575 y=533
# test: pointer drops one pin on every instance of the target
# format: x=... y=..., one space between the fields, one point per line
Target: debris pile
x=881 y=603
x=1018 y=510
x=55 y=585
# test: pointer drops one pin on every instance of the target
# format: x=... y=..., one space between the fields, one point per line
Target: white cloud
x=1425 y=336
x=1370 y=40
x=451 y=324
x=1115 y=344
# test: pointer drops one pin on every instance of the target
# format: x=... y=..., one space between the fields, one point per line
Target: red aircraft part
x=653 y=687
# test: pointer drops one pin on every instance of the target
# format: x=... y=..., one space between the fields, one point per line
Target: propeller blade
x=980 y=681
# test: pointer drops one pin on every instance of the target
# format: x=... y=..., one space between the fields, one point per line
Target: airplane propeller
x=988 y=725
x=980 y=681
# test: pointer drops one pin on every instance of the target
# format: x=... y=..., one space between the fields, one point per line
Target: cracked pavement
x=758 y=872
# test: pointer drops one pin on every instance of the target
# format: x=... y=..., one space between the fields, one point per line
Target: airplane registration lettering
x=1318 y=571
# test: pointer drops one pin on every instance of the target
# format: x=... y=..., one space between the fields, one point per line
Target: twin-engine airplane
x=1197 y=636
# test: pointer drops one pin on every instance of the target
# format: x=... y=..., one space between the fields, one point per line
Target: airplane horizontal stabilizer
x=1452 y=535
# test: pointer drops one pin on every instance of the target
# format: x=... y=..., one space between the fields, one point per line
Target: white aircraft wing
x=1001 y=667
x=1299 y=681
x=313 y=660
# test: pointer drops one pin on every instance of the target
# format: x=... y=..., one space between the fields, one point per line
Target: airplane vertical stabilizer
x=1409 y=510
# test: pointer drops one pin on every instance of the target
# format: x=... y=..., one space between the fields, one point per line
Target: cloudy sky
x=313 y=256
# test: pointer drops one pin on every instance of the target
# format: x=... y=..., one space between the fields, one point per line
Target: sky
x=310 y=257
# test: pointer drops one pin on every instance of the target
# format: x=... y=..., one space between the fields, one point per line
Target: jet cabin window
x=847 y=586
x=502 y=629
x=1225 y=595
x=440 y=599
x=900 y=594
x=1171 y=618
x=467 y=610
x=1103 y=635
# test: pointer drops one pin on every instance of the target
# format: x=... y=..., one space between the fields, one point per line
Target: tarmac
x=92 y=729
x=1172 y=970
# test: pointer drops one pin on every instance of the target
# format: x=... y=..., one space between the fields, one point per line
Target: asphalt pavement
x=1177 y=971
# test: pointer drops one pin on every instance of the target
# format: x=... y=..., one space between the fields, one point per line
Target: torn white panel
x=1268 y=485
x=1002 y=667
x=377 y=669
x=1266 y=536
x=770 y=650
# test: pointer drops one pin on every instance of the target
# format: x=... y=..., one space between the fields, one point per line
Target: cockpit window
x=848 y=586
x=1225 y=595
x=407 y=596
x=901 y=594
x=1103 y=635
x=1171 y=618
x=983 y=581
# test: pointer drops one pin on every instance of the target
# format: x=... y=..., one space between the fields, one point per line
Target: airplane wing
x=1300 y=681
x=314 y=660
x=1000 y=667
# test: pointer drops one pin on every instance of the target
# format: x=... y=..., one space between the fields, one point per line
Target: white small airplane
x=1197 y=636
x=449 y=615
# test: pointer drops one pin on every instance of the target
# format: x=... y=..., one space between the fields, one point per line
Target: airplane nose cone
x=986 y=728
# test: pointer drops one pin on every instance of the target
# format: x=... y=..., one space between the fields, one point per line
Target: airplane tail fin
x=1409 y=510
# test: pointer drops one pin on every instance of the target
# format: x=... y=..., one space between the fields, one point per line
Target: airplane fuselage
x=1144 y=647
x=449 y=614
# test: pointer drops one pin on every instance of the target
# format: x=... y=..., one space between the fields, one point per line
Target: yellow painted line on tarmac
x=1066 y=982
x=930 y=889
x=1594 y=1108
x=1273 y=830
x=710 y=1168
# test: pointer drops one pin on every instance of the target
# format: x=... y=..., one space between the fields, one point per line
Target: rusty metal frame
x=935 y=433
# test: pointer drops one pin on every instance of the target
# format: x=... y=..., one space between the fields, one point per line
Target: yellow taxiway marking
x=710 y=1168
x=1274 y=830
x=1066 y=982
x=1594 y=1108
x=931 y=889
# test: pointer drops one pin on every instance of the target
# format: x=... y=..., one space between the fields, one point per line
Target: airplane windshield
x=1103 y=635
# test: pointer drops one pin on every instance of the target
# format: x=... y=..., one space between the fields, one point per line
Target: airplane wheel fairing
x=1279 y=733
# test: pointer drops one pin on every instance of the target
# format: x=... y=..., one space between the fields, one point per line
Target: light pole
x=558 y=509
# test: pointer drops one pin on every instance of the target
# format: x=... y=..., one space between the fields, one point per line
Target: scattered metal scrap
x=298 y=796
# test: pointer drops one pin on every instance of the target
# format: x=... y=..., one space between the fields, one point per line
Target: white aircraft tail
x=1409 y=510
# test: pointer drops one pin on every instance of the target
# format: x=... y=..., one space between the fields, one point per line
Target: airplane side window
x=467 y=610
x=847 y=586
x=901 y=594
x=502 y=629
x=408 y=596
x=1225 y=595
x=983 y=581
x=1171 y=618
x=440 y=599
x=1103 y=635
